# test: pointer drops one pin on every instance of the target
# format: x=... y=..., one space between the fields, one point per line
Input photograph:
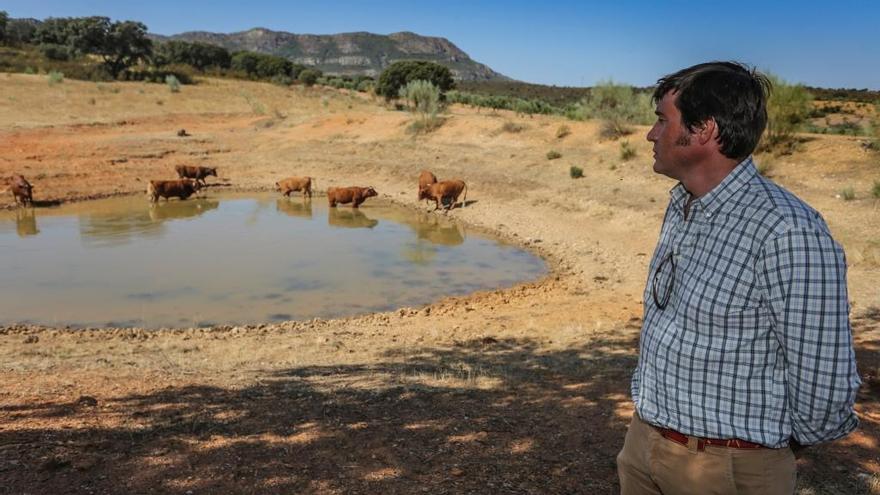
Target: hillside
x=348 y=53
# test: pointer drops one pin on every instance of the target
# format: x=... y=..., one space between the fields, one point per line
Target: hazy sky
x=571 y=43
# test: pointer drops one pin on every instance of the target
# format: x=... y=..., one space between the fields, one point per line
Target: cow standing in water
x=443 y=191
x=354 y=195
x=291 y=184
x=180 y=188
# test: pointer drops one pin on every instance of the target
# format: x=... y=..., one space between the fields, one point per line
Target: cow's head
x=370 y=192
x=424 y=192
x=196 y=185
x=211 y=171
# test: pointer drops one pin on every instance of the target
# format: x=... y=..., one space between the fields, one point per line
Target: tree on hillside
x=125 y=44
x=198 y=55
x=120 y=44
x=398 y=74
x=19 y=31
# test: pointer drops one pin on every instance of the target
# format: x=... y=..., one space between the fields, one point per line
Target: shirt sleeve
x=803 y=272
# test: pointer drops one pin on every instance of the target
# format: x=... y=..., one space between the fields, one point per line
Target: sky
x=564 y=43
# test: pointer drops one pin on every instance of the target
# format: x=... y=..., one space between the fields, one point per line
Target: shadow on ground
x=483 y=416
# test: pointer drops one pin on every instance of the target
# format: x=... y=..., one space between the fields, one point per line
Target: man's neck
x=705 y=176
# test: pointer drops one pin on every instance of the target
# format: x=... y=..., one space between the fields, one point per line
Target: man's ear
x=706 y=131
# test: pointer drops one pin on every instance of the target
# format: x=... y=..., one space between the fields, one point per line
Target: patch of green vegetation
x=553 y=155
x=875 y=190
x=848 y=194
x=627 y=151
x=55 y=77
x=575 y=172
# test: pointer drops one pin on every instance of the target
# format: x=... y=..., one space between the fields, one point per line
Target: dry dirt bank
x=517 y=391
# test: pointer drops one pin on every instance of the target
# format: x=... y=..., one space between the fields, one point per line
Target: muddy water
x=226 y=259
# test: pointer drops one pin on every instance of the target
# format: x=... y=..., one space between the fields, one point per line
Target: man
x=746 y=349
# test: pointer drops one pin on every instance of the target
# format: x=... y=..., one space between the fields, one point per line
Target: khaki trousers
x=651 y=464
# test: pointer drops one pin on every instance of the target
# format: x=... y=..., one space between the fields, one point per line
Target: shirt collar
x=737 y=179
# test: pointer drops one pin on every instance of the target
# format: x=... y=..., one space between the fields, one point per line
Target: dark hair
x=729 y=92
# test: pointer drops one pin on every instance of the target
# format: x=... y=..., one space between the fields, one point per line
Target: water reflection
x=181 y=209
x=26 y=222
x=293 y=208
x=253 y=258
x=350 y=218
x=106 y=229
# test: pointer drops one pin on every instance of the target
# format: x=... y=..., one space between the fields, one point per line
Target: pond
x=237 y=259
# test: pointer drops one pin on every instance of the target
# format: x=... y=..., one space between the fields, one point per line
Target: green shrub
x=627 y=152
x=553 y=155
x=365 y=86
x=562 y=131
x=875 y=191
x=788 y=106
x=309 y=77
x=848 y=194
x=421 y=96
x=617 y=106
x=55 y=77
x=57 y=52
x=575 y=172
x=400 y=73
x=173 y=83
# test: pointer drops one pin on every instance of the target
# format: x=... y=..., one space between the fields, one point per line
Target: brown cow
x=291 y=184
x=354 y=195
x=195 y=172
x=443 y=191
x=426 y=178
x=179 y=188
x=22 y=191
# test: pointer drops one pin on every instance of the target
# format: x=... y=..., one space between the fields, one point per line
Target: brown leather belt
x=702 y=442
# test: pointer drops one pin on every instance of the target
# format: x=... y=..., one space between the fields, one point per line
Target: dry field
x=516 y=391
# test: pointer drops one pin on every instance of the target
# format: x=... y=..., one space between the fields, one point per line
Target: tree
x=125 y=44
x=120 y=44
x=400 y=73
x=200 y=56
x=4 y=20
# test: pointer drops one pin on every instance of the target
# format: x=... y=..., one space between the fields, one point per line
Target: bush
x=848 y=194
x=553 y=155
x=562 y=131
x=309 y=77
x=875 y=191
x=365 y=86
x=616 y=105
x=788 y=106
x=57 y=52
x=55 y=77
x=575 y=172
x=173 y=83
x=627 y=152
x=401 y=73
x=422 y=97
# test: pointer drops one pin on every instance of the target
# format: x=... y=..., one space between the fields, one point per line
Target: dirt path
x=517 y=391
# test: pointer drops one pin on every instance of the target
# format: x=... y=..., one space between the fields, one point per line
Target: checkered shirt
x=755 y=341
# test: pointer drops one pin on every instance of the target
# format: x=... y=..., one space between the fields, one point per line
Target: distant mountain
x=348 y=53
